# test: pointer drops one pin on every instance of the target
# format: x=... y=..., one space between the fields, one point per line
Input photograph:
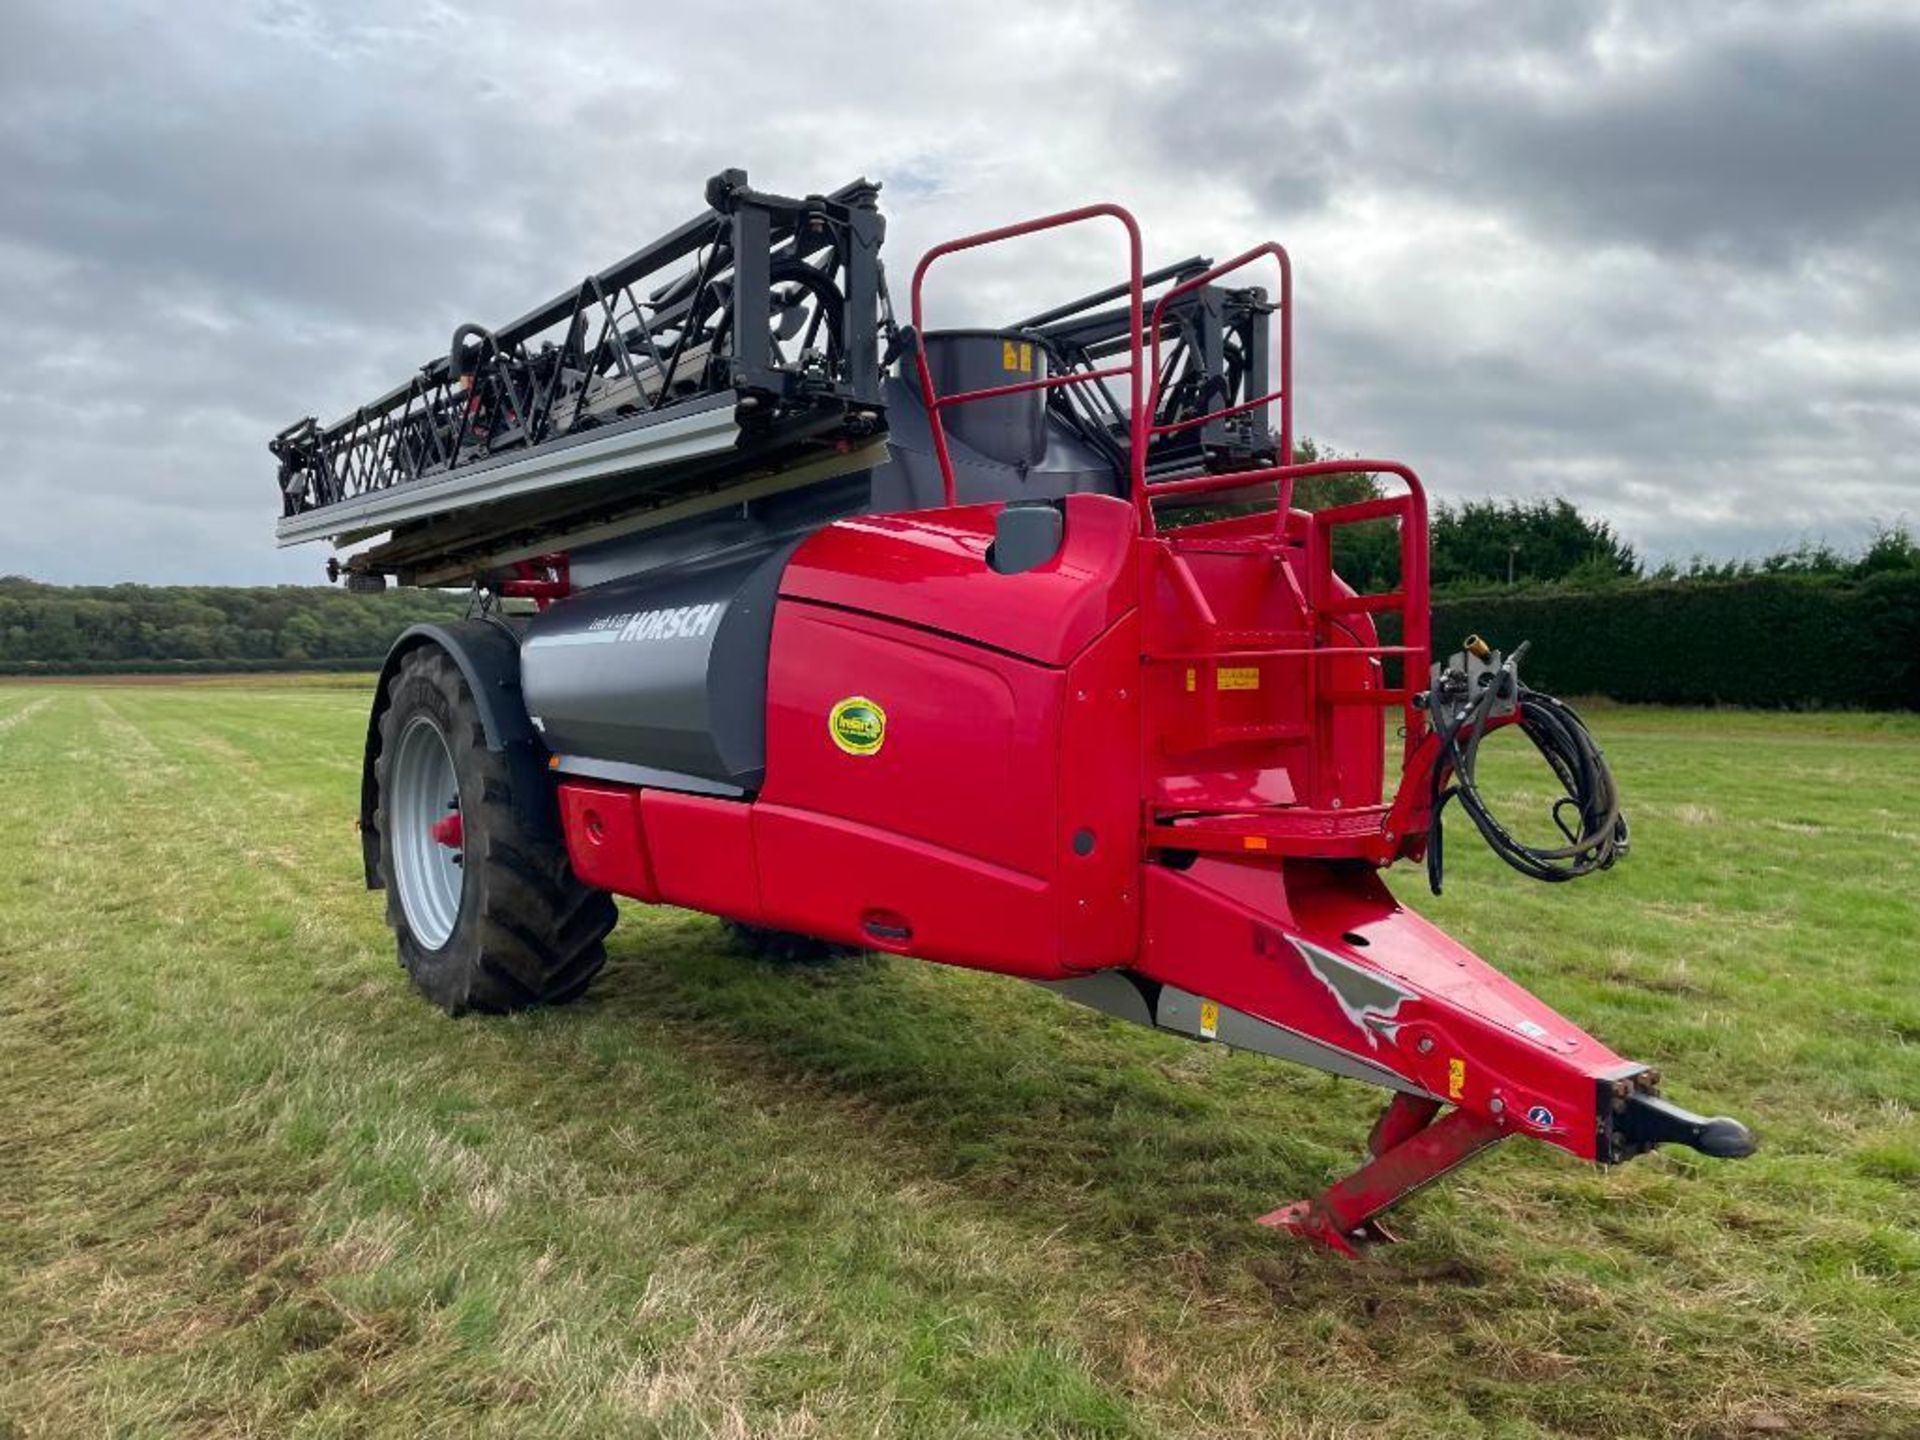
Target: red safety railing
x=1144 y=493
x=1410 y=600
x=1136 y=400
x=1144 y=399
x=1319 y=602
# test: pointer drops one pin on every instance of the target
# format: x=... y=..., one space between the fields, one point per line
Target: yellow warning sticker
x=1193 y=677
x=1239 y=677
x=1456 y=1078
x=1016 y=355
x=1209 y=1019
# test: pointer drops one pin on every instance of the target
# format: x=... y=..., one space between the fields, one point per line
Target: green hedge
x=1764 y=640
x=370 y=664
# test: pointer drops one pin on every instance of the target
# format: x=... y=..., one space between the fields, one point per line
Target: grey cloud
x=1763 y=139
x=1660 y=258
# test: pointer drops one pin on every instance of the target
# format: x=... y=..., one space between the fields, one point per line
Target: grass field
x=249 y=1185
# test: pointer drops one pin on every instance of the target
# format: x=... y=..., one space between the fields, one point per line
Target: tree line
x=1476 y=546
x=1525 y=544
x=218 y=626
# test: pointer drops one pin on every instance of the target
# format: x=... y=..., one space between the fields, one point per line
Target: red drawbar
x=1325 y=952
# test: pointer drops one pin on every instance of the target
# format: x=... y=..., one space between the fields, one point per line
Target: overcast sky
x=1663 y=259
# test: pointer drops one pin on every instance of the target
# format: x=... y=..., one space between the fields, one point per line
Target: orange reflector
x=553 y=762
x=1253 y=842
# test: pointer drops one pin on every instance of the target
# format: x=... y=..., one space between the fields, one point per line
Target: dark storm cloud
x=1660 y=258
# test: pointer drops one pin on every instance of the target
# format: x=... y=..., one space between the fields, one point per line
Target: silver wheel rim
x=427 y=873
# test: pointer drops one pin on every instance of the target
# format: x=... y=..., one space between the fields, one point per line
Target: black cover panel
x=666 y=670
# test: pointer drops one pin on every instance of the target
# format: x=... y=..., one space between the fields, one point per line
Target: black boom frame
x=778 y=300
x=1217 y=355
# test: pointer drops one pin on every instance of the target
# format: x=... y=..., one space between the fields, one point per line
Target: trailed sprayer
x=1005 y=647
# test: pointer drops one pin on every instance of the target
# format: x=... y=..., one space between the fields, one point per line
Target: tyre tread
x=529 y=932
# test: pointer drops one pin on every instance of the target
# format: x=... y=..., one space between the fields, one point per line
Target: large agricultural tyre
x=488 y=915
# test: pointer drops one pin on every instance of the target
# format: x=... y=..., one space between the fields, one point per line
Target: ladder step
x=1365 y=697
x=1292 y=730
x=1364 y=604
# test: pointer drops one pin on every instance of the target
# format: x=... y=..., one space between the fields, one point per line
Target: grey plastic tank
x=1009 y=428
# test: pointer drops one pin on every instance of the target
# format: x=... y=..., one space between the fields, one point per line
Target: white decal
x=689 y=621
x=685 y=621
x=1368 y=998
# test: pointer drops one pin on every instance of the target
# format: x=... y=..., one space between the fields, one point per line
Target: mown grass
x=251 y=1186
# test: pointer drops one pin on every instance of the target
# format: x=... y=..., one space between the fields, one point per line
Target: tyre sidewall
x=445 y=974
x=526 y=931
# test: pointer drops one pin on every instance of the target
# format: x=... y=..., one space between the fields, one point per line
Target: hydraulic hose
x=1587 y=814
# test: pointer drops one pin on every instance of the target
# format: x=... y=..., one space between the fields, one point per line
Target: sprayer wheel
x=487 y=915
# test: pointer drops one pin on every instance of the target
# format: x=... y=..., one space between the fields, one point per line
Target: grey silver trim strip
x=574 y=637
x=622 y=773
x=1106 y=990
x=1180 y=1010
x=684 y=437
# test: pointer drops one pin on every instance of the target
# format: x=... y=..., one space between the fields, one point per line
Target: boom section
x=748 y=335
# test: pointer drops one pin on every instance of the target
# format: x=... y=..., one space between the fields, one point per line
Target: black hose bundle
x=1588 y=814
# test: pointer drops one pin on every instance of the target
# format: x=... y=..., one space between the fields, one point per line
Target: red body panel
x=606 y=839
x=1097 y=817
x=968 y=756
x=877 y=888
x=928 y=569
x=1152 y=753
x=702 y=853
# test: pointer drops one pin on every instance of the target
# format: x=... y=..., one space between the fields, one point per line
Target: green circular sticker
x=858 y=725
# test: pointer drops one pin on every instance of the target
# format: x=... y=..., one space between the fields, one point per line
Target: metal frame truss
x=777 y=300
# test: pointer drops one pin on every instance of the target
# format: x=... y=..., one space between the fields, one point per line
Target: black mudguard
x=488 y=654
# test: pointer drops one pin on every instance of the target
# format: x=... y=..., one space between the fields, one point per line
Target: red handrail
x=1414 y=602
x=1284 y=394
x=1137 y=419
x=1411 y=599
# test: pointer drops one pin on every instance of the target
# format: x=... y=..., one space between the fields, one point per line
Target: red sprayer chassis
x=1053 y=738
x=1148 y=773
